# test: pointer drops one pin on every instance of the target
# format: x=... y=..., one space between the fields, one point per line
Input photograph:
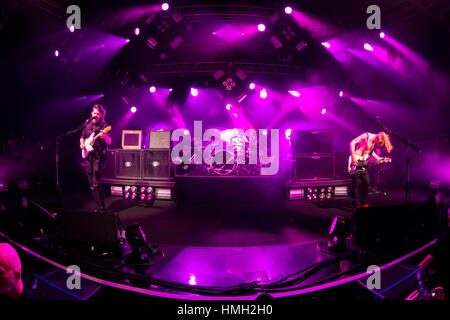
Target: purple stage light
x=56 y=53
x=235 y=115
x=165 y=6
x=341 y=93
x=382 y=35
x=252 y=86
x=326 y=45
x=128 y=40
x=288 y=10
x=72 y=28
x=192 y=280
x=228 y=107
x=294 y=93
x=194 y=92
x=288 y=133
x=264 y=132
x=324 y=111
x=263 y=94
x=368 y=47
x=152 y=89
x=136 y=31
x=261 y=27
x=133 y=109
x=186 y=132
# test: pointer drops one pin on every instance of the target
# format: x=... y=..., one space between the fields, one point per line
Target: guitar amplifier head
x=160 y=139
x=132 y=139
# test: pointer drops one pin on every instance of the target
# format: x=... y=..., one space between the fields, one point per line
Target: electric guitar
x=89 y=142
x=362 y=163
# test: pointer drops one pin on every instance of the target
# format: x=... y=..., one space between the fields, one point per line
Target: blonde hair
x=384 y=141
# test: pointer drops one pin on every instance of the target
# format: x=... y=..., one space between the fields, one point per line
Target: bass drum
x=227 y=167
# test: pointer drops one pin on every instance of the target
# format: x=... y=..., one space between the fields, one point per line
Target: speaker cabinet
x=314 y=167
x=312 y=142
x=109 y=171
x=128 y=164
x=156 y=164
x=160 y=139
x=90 y=229
x=341 y=165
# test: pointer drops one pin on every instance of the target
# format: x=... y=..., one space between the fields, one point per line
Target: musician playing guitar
x=94 y=142
x=361 y=150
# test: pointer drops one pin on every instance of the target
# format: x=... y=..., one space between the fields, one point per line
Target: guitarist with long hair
x=94 y=142
x=361 y=150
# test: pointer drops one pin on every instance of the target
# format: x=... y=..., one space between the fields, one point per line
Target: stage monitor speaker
x=380 y=228
x=314 y=167
x=156 y=164
x=128 y=164
x=109 y=170
x=88 y=229
x=132 y=139
x=312 y=142
x=160 y=139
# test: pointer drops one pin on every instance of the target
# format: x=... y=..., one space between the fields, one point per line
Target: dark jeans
x=94 y=170
x=360 y=186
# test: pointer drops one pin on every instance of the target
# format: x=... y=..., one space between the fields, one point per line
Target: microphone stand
x=57 y=154
x=408 y=146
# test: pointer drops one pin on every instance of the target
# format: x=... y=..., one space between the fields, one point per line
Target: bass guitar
x=89 y=142
x=362 y=163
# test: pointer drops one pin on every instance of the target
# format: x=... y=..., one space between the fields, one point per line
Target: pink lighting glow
x=252 y=86
x=152 y=89
x=133 y=109
x=194 y=92
x=263 y=94
x=326 y=45
x=192 y=280
x=382 y=35
x=324 y=111
x=341 y=93
x=165 y=6
x=228 y=107
x=235 y=115
x=136 y=31
x=72 y=28
x=56 y=53
x=186 y=132
x=368 y=47
x=288 y=10
x=264 y=132
x=261 y=27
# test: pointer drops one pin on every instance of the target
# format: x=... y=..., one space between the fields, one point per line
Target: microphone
x=89 y=120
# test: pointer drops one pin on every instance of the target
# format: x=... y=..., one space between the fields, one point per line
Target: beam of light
x=288 y=10
x=165 y=6
x=368 y=47
x=382 y=35
x=152 y=89
x=326 y=44
x=294 y=93
x=133 y=109
x=252 y=86
x=261 y=27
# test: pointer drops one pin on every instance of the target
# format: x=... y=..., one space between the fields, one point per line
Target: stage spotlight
x=133 y=189
x=72 y=28
x=140 y=250
x=326 y=45
x=294 y=93
x=192 y=280
x=339 y=232
x=264 y=132
x=165 y=6
x=288 y=133
x=309 y=190
x=150 y=197
x=235 y=115
x=152 y=89
x=133 y=109
x=322 y=196
x=127 y=195
x=137 y=31
x=186 y=132
x=149 y=190
x=252 y=86
x=194 y=92
x=228 y=107
x=263 y=94
x=368 y=47
x=288 y=10
x=261 y=27
x=133 y=196
x=128 y=40
x=142 y=189
x=142 y=196
x=56 y=53
x=341 y=93
x=324 y=111
x=382 y=35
